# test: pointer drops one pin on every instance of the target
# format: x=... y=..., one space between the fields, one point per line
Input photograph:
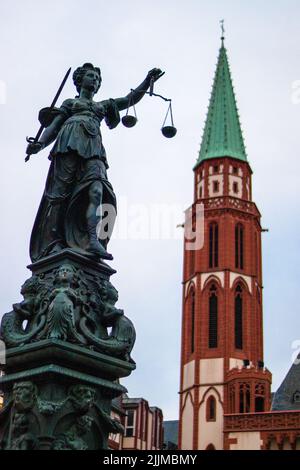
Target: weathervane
x=222 y=29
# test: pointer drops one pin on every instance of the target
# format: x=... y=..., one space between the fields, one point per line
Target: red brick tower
x=222 y=369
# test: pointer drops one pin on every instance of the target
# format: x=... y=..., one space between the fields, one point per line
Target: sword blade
x=60 y=88
x=35 y=139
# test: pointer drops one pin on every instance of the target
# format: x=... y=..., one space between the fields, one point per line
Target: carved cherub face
x=65 y=274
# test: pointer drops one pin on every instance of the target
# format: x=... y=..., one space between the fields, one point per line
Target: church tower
x=222 y=368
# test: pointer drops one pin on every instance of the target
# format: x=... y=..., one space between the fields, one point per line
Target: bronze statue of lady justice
x=77 y=183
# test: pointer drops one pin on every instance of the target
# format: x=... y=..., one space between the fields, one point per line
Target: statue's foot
x=97 y=250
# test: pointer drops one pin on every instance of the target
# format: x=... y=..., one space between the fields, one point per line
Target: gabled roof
x=287 y=396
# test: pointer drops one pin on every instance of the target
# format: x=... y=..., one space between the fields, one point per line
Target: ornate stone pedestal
x=62 y=366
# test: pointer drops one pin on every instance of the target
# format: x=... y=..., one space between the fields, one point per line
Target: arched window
x=238 y=321
x=259 y=399
x=239 y=246
x=191 y=262
x=213 y=318
x=296 y=397
x=232 y=398
x=213 y=245
x=244 y=398
x=192 y=321
x=211 y=409
x=210 y=447
x=256 y=253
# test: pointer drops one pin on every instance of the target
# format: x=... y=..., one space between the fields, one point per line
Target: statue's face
x=85 y=397
x=91 y=81
x=29 y=289
x=65 y=273
x=23 y=395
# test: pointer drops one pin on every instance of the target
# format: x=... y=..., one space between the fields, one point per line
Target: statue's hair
x=68 y=265
x=80 y=72
x=31 y=285
x=73 y=269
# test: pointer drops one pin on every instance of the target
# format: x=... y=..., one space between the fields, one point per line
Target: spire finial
x=223 y=31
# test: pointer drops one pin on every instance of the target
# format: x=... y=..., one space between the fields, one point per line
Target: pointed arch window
x=260 y=392
x=296 y=397
x=211 y=409
x=192 y=262
x=213 y=245
x=213 y=318
x=232 y=400
x=244 y=398
x=210 y=447
x=192 y=321
x=239 y=246
x=238 y=320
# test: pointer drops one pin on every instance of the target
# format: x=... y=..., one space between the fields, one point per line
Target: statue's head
x=109 y=293
x=83 y=397
x=66 y=274
x=31 y=286
x=24 y=395
x=30 y=290
x=87 y=76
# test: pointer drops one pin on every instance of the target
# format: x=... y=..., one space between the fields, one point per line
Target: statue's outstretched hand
x=155 y=74
x=34 y=148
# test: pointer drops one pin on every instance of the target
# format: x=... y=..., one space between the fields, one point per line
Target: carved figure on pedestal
x=12 y=331
x=122 y=338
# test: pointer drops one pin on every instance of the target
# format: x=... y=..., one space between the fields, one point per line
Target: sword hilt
x=30 y=140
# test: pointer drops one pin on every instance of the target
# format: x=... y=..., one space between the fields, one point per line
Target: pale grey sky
x=40 y=40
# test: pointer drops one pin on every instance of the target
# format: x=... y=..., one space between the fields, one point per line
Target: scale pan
x=169 y=131
x=129 y=121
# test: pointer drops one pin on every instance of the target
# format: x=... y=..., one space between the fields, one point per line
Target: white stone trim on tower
x=235 y=363
x=211 y=370
x=246 y=440
x=233 y=276
x=187 y=421
x=188 y=375
x=211 y=432
x=239 y=181
x=219 y=179
x=220 y=275
x=188 y=285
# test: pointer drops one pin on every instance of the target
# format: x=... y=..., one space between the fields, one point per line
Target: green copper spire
x=222 y=133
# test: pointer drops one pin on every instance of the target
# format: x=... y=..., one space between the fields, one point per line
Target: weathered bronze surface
x=62 y=365
x=77 y=182
x=67 y=342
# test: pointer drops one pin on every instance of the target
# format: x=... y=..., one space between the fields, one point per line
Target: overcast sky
x=39 y=41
